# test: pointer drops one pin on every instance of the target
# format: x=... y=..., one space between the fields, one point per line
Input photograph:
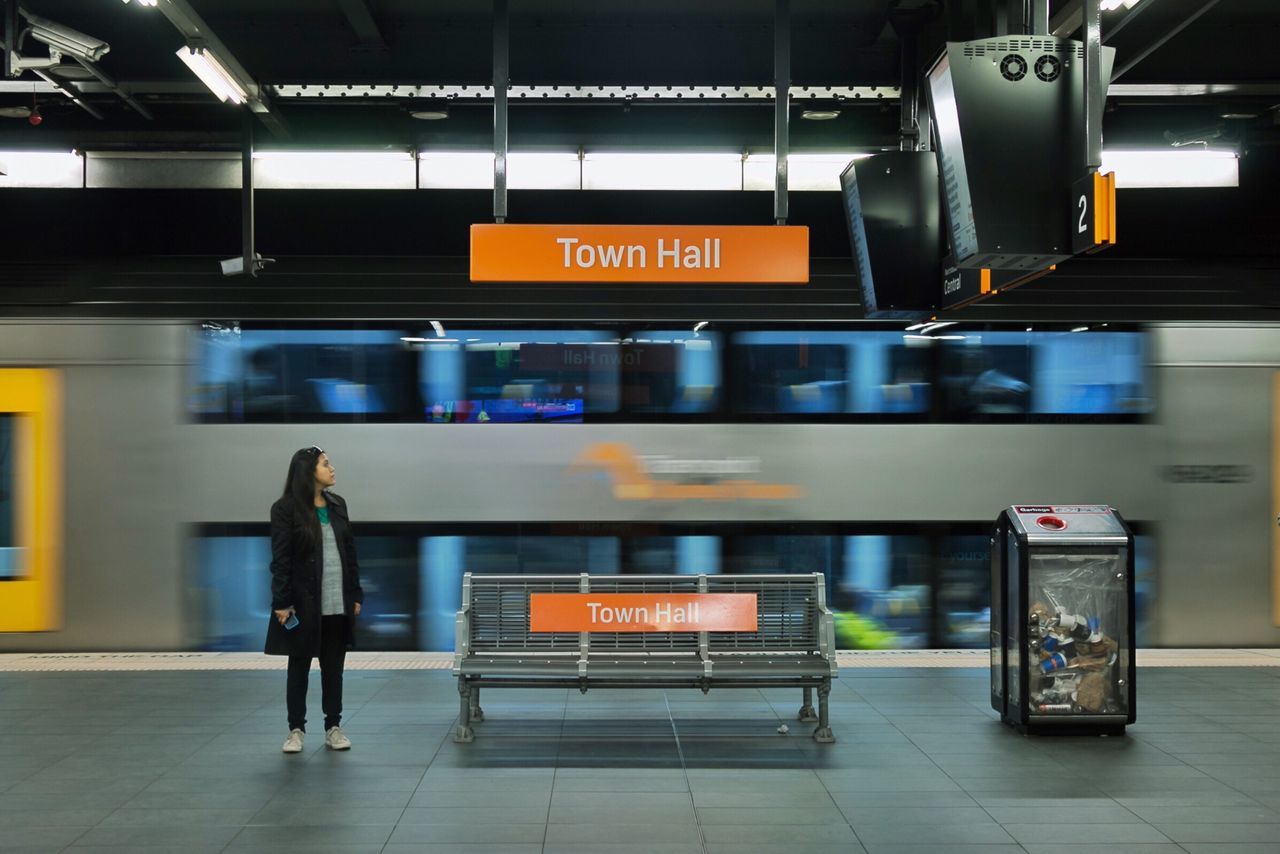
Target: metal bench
x=793 y=646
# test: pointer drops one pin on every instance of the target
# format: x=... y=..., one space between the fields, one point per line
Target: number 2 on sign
x=1084 y=210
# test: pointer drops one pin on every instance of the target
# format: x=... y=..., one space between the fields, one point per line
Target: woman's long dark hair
x=300 y=490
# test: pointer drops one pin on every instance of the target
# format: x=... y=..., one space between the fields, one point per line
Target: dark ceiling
x=620 y=42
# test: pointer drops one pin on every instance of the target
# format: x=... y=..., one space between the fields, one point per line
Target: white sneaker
x=293 y=744
x=336 y=739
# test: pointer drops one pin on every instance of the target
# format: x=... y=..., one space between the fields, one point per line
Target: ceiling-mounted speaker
x=1009 y=154
x=891 y=202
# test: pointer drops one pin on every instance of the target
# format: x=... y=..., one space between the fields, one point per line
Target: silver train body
x=1199 y=475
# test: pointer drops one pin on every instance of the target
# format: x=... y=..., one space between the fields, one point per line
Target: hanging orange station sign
x=773 y=254
x=642 y=612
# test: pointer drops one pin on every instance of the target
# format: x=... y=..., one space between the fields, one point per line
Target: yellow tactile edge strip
x=937 y=658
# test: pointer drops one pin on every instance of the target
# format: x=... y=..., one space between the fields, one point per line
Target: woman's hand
x=283 y=616
x=357 y=609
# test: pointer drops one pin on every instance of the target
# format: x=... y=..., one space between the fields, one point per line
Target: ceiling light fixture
x=148 y=3
x=820 y=115
x=206 y=65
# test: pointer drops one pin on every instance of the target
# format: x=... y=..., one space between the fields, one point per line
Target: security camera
x=235 y=266
x=64 y=39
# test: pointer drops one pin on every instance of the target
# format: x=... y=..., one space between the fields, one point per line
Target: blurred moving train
x=871 y=453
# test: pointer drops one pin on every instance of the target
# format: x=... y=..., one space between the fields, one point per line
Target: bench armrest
x=462 y=626
x=826 y=625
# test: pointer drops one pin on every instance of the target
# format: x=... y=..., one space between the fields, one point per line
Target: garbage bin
x=1062 y=619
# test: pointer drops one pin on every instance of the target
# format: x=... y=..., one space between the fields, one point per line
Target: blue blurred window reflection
x=829 y=372
x=1043 y=373
x=882 y=598
x=881 y=587
x=300 y=375
x=10 y=563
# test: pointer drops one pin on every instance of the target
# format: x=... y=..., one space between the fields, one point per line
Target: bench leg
x=823 y=734
x=807 y=714
x=477 y=713
x=464 y=734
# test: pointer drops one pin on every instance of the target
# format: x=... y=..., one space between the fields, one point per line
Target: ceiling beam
x=1159 y=41
x=1069 y=19
x=361 y=20
x=192 y=27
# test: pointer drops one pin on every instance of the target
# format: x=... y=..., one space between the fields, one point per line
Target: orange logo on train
x=631 y=480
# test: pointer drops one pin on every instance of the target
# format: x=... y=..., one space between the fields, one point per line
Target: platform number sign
x=1093 y=212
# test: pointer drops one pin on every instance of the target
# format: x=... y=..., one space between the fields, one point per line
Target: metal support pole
x=501 y=81
x=908 y=104
x=9 y=9
x=1039 y=23
x=1160 y=42
x=1092 y=85
x=781 y=106
x=246 y=197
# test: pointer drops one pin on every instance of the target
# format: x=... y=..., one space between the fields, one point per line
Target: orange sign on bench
x=642 y=612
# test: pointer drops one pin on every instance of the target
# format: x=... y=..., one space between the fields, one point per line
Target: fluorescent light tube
x=1167 y=168
x=205 y=65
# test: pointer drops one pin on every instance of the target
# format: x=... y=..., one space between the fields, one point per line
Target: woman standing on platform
x=315 y=591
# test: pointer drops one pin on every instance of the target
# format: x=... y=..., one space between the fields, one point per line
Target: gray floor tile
x=179 y=817
x=142 y=849
x=456 y=848
x=1085 y=833
x=952 y=848
x=475 y=815
x=917 y=815
x=361 y=834
x=1083 y=814
x=753 y=835
x=624 y=813
x=935 y=834
x=770 y=815
x=1268 y=833
x=1187 y=814
x=605 y=832
x=41 y=837
x=623 y=848
x=22 y=818
x=1229 y=847
x=409 y=834
x=1108 y=848
x=137 y=837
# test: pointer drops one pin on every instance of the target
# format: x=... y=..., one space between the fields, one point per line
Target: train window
x=829 y=372
x=882 y=597
x=480 y=376
x=301 y=375
x=666 y=371
x=1025 y=374
x=231 y=584
x=542 y=555
x=9 y=554
x=964 y=590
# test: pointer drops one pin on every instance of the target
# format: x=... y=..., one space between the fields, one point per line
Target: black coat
x=295 y=579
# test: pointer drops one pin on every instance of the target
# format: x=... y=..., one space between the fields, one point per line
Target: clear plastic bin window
x=1076 y=640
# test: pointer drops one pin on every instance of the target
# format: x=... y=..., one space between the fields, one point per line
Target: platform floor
x=189 y=761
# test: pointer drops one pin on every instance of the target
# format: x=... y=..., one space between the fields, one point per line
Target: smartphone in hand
x=292 y=622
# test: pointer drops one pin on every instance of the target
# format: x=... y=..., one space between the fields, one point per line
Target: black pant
x=333 y=653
